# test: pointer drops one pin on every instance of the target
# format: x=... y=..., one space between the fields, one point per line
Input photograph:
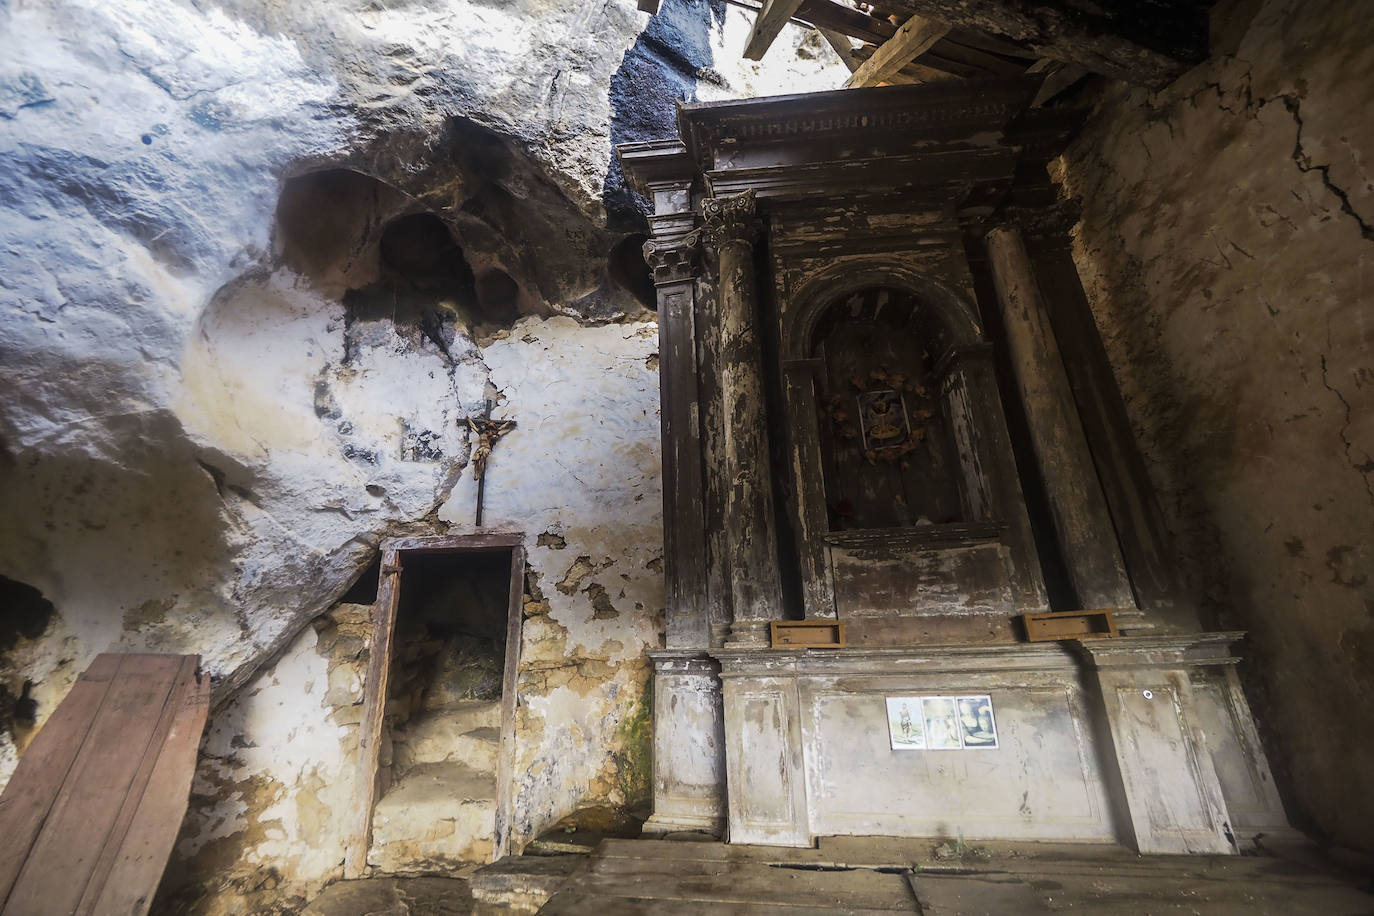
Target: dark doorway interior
x=438 y=760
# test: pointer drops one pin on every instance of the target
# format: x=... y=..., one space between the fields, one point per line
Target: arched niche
x=888 y=457
x=906 y=499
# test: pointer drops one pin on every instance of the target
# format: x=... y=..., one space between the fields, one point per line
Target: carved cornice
x=1053 y=224
x=731 y=219
x=673 y=260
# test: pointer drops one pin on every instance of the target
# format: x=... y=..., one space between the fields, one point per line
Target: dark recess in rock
x=498 y=296
x=364 y=588
x=322 y=217
x=629 y=269
x=420 y=248
x=23 y=612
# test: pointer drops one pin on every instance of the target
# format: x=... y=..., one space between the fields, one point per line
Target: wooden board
x=90 y=815
x=975 y=895
x=574 y=903
x=806 y=634
x=713 y=885
x=1068 y=625
x=374 y=707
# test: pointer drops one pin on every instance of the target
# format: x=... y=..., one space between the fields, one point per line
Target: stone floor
x=394 y=897
x=871 y=876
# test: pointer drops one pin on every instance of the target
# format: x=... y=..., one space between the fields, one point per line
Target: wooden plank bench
x=89 y=817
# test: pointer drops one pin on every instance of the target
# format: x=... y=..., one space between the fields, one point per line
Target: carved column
x=755 y=587
x=1126 y=484
x=1082 y=522
x=673 y=261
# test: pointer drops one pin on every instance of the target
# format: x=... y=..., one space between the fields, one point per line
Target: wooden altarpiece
x=884 y=403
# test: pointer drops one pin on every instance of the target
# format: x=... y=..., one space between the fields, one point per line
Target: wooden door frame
x=379 y=671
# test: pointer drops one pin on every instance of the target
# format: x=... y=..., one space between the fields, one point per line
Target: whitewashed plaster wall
x=276 y=788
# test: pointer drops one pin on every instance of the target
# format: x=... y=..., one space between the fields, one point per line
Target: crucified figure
x=487 y=432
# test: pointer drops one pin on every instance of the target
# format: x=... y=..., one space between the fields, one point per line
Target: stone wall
x=1227 y=247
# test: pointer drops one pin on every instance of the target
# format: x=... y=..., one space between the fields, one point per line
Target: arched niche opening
x=327 y=223
x=888 y=456
x=906 y=500
x=420 y=248
x=498 y=296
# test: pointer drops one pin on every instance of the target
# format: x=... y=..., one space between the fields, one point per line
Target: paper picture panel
x=977 y=725
x=905 y=723
x=942 y=724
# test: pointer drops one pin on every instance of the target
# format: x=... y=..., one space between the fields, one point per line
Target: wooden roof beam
x=1148 y=50
x=1058 y=77
x=773 y=15
x=918 y=71
x=845 y=20
x=913 y=37
x=839 y=43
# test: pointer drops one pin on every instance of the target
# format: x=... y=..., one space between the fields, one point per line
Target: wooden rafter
x=1058 y=77
x=914 y=37
x=984 y=61
x=1149 y=49
x=839 y=43
x=845 y=20
x=773 y=15
x=915 y=72
x=993 y=37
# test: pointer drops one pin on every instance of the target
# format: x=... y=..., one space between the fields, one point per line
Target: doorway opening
x=439 y=705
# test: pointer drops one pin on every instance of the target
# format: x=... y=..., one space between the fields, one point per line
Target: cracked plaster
x=1225 y=247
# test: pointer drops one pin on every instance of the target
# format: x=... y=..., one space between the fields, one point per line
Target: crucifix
x=487 y=432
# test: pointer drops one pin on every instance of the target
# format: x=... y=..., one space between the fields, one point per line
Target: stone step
x=469 y=715
x=437 y=817
x=439 y=738
x=520 y=885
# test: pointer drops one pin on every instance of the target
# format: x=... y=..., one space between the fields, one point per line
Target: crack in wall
x=1362 y=469
x=1304 y=164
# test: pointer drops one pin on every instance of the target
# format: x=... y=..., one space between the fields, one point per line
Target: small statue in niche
x=888 y=427
x=883 y=419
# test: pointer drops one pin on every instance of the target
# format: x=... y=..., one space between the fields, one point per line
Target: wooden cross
x=487 y=432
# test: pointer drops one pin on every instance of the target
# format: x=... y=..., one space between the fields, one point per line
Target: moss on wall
x=635 y=756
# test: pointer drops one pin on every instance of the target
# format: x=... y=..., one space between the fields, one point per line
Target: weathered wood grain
x=374 y=706
x=60 y=864
x=36 y=781
x=772 y=16
x=135 y=870
x=104 y=788
x=915 y=36
x=510 y=676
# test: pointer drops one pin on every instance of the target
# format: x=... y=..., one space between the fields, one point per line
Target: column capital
x=1053 y=223
x=731 y=219
x=673 y=260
